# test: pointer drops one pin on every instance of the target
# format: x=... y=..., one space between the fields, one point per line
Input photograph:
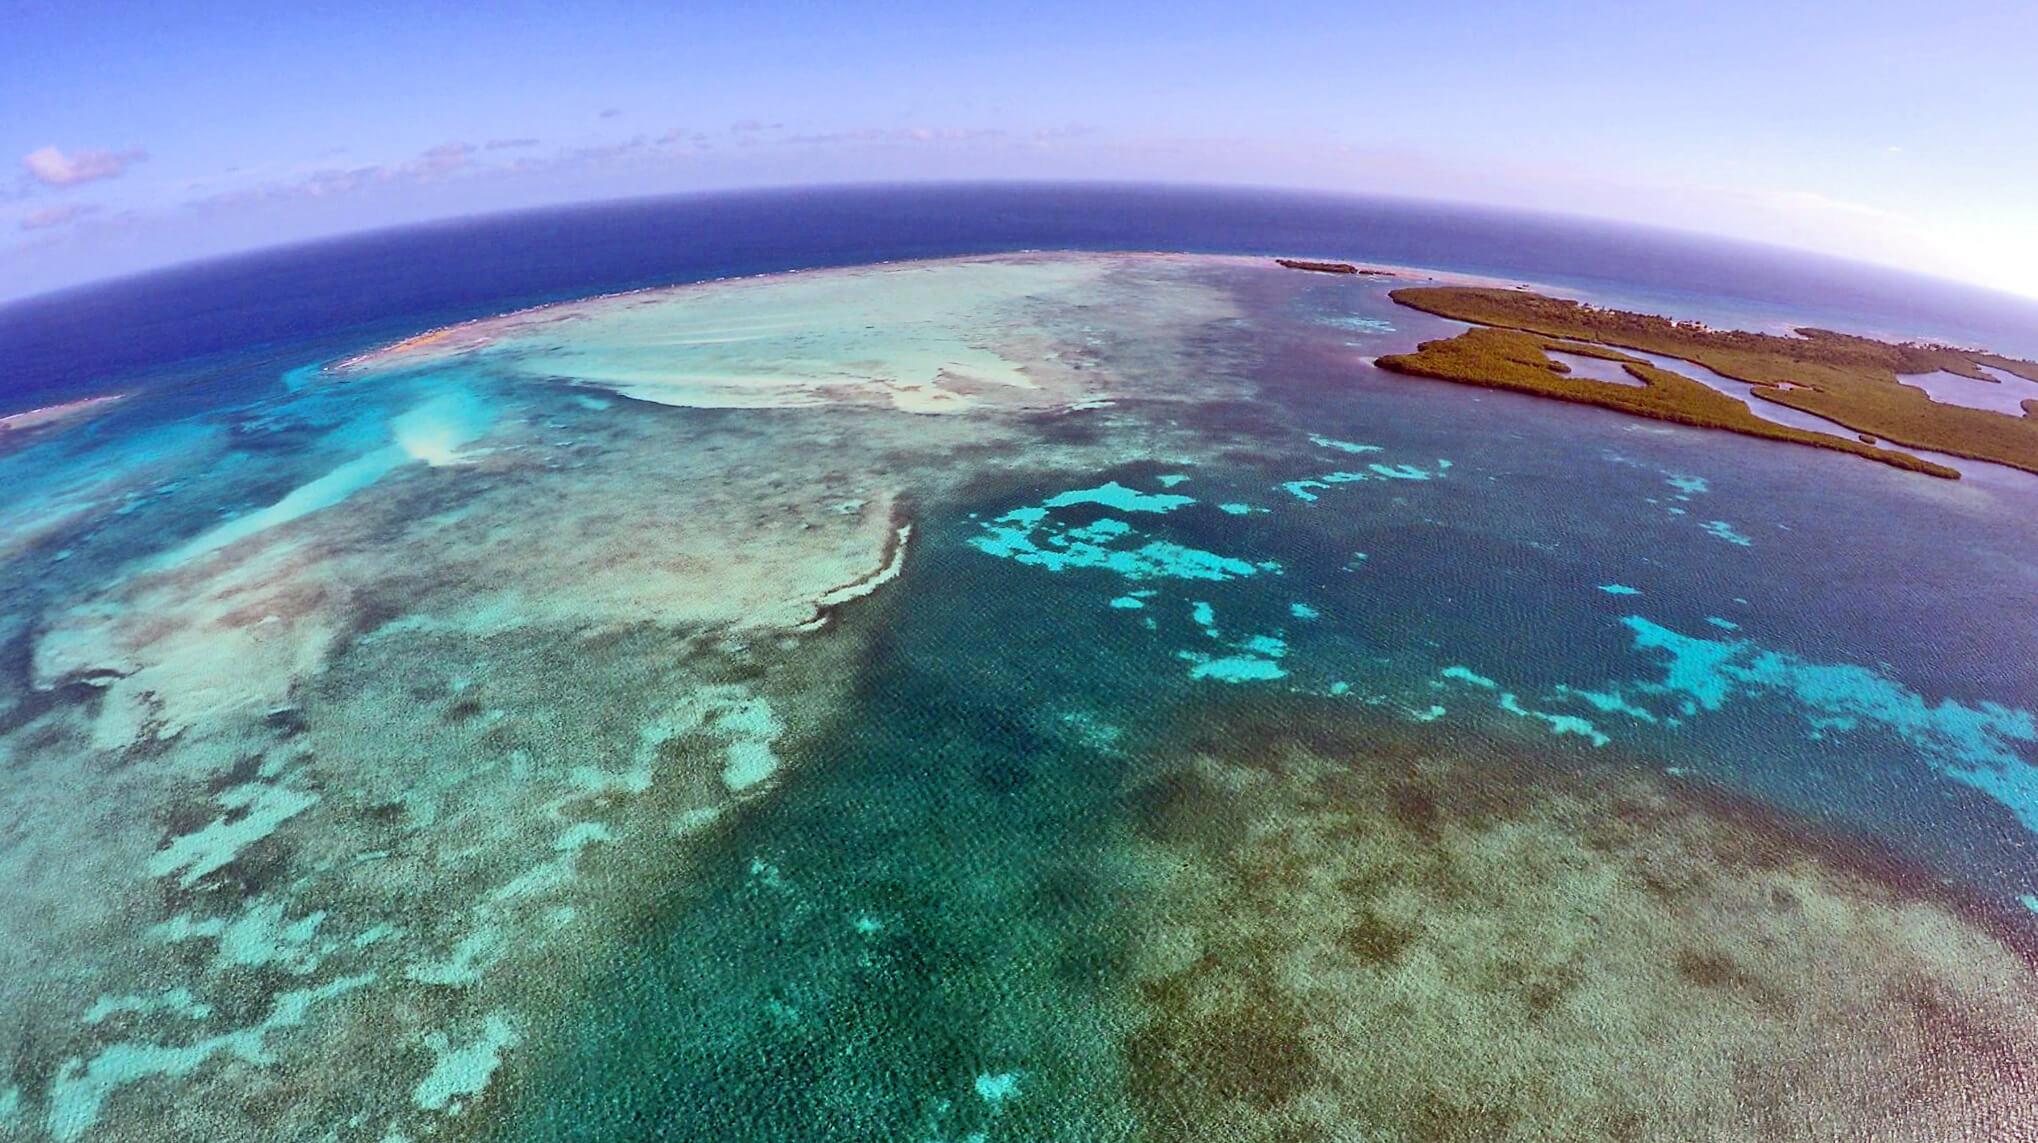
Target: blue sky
x=144 y=134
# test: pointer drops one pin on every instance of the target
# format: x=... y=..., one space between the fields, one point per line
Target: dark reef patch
x=1407 y=934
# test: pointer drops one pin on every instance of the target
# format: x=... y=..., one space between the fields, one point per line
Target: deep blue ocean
x=188 y=321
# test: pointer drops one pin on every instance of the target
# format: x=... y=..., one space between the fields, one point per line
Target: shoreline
x=47 y=415
x=399 y=353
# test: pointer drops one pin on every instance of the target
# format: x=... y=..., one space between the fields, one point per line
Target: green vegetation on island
x=1507 y=359
x=1318 y=267
x=1847 y=379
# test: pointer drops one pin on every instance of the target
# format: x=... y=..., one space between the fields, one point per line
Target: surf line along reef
x=1844 y=378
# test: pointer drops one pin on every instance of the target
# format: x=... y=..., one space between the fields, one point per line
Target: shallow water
x=1596 y=369
x=533 y=741
x=2006 y=394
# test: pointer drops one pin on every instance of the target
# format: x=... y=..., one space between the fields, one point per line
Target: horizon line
x=1831 y=261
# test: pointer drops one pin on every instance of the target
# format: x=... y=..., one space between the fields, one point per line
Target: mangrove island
x=1845 y=378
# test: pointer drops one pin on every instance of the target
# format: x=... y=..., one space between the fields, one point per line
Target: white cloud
x=439 y=160
x=50 y=216
x=51 y=167
x=431 y=165
x=901 y=135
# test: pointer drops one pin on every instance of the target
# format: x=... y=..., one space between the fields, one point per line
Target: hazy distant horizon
x=186 y=130
x=263 y=249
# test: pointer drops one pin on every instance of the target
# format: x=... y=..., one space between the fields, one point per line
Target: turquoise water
x=488 y=742
x=932 y=906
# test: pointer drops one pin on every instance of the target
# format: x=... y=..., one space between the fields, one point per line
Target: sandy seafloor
x=1064 y=697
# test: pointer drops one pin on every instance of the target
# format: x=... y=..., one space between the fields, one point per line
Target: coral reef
x=1374 y=935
